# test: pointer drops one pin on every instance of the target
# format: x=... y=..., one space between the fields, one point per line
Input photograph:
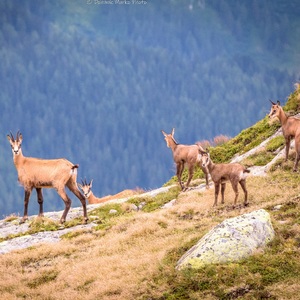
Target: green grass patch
x=153 y=203
x=293 y=103
x=72 y=234
x=73 y=222
x=245 y=141
x=275 y=143
x=45 y=277
x=43 y=224
x=258 y=159
x=104 y=216
x=11 y=218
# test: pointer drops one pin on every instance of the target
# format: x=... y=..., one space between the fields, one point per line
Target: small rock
x=277 y=207
x=134 y=207
x=142 y=204
x=169 y=204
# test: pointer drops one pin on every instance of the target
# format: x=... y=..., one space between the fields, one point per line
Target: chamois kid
x=34 y=173
x=184 y=155
x=290 y=129
x=220 y=173
x=86 y=188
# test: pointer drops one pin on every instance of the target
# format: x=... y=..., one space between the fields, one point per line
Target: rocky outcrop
x=231 y=240
x=23 y=239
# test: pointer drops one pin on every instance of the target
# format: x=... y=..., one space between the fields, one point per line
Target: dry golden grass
x=122 y=262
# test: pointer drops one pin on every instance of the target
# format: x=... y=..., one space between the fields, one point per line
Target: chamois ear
x=79 y=185
x=278 y=102
x=90 y=184
x=20 y=139
x=173 y=131
x=200 y=148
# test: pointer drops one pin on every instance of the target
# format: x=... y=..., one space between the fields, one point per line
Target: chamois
x=45 y=173
x=184 y=155
x=290 y=129
x=86 y=188
x=88 y=194
x=220 y=173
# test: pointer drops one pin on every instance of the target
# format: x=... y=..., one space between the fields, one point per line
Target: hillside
x=132 y=255
x=95 y=83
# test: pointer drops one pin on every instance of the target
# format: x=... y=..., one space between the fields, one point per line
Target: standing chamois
x=220 y=173
x=290 y=129
x=45 y=173
x=184 y=155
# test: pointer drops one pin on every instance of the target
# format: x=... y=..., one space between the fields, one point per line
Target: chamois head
x=169 y=137
x=86 y=187
x=15 y=143
x=205 y=157
x=274 y=109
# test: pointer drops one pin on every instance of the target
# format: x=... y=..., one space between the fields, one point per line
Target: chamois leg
x=40 y=201
x=243 y=185
x=180 y=167
x=206 y=173
x=297 y=148
x=217 y=189
x=296 y=162
x=26 y=201
x=236 y=191
x=206 y=178
x=62 y=193
x=287 y=148
x=74 y=189
x=223 y=186
x=191 y=173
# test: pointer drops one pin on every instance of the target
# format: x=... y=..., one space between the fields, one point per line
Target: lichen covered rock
x=231 y=240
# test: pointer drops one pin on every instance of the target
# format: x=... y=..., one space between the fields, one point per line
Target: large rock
x=231 y=240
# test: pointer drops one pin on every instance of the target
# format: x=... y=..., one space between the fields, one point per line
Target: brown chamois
x=290 y=129
x=88 y=194
x=185 y=155
x=220 y=173
x=45 y=173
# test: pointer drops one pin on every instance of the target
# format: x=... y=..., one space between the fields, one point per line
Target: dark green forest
x=95 y=81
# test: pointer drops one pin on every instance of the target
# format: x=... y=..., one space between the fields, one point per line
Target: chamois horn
x=12 y=137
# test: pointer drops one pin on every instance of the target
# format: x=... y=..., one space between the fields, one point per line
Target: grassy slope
x=133 y=255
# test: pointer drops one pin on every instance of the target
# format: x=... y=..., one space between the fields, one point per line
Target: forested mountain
x=96 y=80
